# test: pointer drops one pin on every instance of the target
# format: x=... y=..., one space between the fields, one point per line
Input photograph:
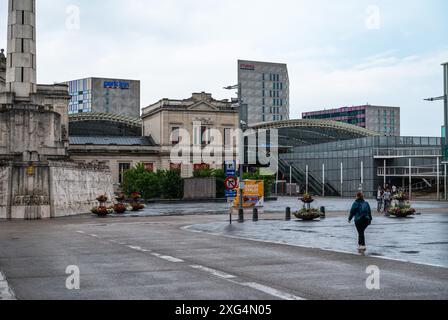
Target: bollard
x=240 y=215
x=255 y=217
x=323 y=214
x=288 y=214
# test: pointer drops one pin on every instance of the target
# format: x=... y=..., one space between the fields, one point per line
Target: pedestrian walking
x=362 y=214
x=387 y=200
x=380 y=199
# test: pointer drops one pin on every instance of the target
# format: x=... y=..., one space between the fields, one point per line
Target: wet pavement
x=331 y=204
x=420 y=239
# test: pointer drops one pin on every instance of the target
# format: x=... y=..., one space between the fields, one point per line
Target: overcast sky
x=339 y=53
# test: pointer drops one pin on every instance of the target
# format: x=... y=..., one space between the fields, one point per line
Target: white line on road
x=80 y=232
x=93 y=235
x=167 y=258
x=6 y=292
x=214 y=272
x=271 y=291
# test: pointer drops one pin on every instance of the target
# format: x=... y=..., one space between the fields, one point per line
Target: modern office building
x=120 y=97
x=264 y=90
x=381 y=119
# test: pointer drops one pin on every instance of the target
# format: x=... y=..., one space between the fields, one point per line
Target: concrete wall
x=51 y=190
x=199 y=188
x=4 y=191
x=74 y=189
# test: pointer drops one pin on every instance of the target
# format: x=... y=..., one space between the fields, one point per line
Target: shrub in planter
x=121 y=197
x=120 y=208
x=102 y=211
x=401 y=211
x=136 y=195
x=102 y=199
x=137 y=206
x=307 y=214
x=307 y=199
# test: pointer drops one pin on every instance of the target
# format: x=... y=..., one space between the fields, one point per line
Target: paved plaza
x=201 y=257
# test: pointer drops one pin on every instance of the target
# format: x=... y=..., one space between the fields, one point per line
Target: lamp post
x=242 y=125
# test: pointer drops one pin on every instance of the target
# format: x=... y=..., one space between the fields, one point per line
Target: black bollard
x=240 y=215
x=288 y=214
x=255 y=217
x=323 y=213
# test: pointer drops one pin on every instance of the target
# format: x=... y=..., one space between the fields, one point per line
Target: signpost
x=231 y=185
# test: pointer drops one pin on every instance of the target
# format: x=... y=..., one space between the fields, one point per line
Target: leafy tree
x=171 y=184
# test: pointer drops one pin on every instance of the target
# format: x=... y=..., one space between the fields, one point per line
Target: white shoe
x=362 y=248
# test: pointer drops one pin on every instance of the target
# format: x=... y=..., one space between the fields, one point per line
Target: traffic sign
x=231 y=194
x=231 y=183
x=231 y=168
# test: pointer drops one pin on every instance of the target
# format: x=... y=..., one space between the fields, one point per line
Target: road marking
x=80 y=232
x=271 y=291
x=167 y=258
x=214 y=272
x=6 y=293
x=93 y=235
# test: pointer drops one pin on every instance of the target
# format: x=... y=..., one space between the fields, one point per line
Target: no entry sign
x=231 y=183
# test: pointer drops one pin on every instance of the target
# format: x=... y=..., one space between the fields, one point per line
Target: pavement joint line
x=187 y=228
x=6 y=292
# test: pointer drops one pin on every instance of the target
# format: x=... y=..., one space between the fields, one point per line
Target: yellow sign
x=30 y=171
x=253 y=194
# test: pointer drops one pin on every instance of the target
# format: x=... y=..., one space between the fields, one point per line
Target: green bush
x=163 y=184
x=220 y=176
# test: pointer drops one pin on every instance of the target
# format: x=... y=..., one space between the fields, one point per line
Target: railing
x=424 y=171
x=384 y=153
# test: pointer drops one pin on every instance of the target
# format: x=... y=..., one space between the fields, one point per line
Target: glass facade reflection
x=326 y=160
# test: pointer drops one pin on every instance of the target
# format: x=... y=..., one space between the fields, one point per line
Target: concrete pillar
x=385 y=176
x=410 y=178
x=323 y=180
x=307 y=178
x=342 y=179
x=438 y=179
x=445 y=183
x=21 y=66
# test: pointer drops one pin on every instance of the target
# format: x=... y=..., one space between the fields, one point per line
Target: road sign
x=231 y=194
x=231 y=168
x=231 y=183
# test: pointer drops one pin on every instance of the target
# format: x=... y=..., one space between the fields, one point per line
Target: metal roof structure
x=104 y=124
x=112 y=141
x=294 y=133
x=98 y=116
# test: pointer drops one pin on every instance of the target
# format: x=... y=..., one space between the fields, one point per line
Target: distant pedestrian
x=387 y=197
x=362 y=214
x=394 y=190
x=379 y=198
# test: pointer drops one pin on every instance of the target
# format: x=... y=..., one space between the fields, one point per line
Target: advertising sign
x=253 y=194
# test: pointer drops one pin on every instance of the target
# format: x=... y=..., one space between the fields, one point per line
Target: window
x=205 y=135
x=149 y=167
x=122 y=168
x=175 y=136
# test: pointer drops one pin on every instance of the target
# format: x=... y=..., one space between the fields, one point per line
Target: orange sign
x=253 y=194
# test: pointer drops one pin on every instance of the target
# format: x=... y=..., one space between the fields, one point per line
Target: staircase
x=299 y=176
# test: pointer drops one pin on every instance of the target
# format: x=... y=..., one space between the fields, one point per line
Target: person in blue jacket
x=362 y=214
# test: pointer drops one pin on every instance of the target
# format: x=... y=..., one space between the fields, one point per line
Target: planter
x=100 y=211
x=308 y=215
x=120 y=208
x=401 y=212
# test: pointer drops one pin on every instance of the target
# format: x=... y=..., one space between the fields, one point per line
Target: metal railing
x=385 y=153
x=423 y=171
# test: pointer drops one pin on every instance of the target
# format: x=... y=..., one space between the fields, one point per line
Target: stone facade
x=2 y=70
x=200 y=111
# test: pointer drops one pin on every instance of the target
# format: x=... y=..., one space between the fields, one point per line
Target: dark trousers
x=361 y=226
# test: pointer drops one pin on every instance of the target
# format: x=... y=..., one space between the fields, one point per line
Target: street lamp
x=242 y=125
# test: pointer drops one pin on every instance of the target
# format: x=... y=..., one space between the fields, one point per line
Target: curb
x=6 y=293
